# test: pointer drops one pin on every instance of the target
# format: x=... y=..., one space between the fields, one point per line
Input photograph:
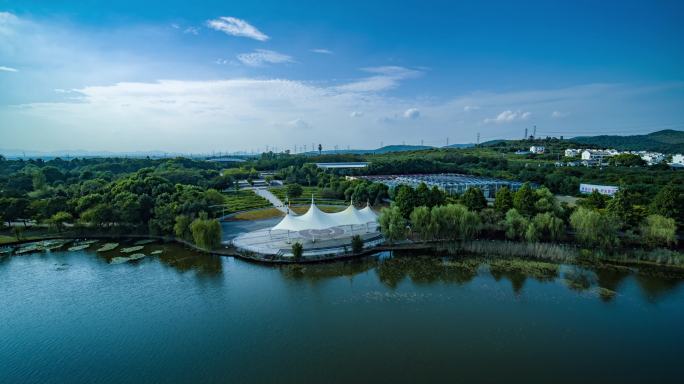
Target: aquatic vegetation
x=145 y=241
x=108 y=247
x=537 y=269
x=132 y=249
x=124 y=259
x=79 y=247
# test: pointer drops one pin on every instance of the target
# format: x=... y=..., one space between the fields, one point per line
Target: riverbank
x=664 y=261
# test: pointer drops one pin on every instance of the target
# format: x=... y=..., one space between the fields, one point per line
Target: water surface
x=183 y=317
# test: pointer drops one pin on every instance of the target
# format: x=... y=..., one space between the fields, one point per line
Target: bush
x=294 y=190
x=297 y=250
x=356 y=244
x=658 y=230
x=515 y=224
x=206 y=233
x=595 y=229
x=392 y=224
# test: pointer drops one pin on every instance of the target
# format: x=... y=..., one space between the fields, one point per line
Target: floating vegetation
x=143 y=242
x=107 y=247
x=124 y=259
x=537 y=269
x=50 y=245
x=132 y=249
x=157 y=252
x=78 y=247
x=27 y=248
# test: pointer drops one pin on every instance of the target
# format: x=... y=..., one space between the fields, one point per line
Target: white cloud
x=356 y=114
x=175 y=26
x=8 y=69
x=412 y=113
x=298 y=124
x=508 y=116
x=263 y=56
x=322 y=51
x=384 y=78
x=469 y=108
x=559 y=115
x=192 y=30
x=236 y=27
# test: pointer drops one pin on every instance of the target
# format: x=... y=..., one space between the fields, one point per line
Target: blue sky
x=237 y=75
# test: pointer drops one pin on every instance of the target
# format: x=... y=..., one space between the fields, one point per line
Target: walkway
x=266 y=194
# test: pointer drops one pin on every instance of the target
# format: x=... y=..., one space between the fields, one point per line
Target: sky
x=206 y=76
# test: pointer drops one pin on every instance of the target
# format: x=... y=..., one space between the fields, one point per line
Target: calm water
x=185 y=318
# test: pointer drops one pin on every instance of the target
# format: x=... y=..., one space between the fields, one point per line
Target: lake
x=181 y=317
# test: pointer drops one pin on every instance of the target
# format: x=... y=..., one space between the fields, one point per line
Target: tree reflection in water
x=426 y=270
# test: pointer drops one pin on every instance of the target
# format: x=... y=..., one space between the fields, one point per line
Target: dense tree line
x=122 y=195
x=535 y=215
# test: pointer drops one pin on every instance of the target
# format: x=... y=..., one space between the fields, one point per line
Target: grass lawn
x=281 y=192
x=259 y=214
x=243 y=200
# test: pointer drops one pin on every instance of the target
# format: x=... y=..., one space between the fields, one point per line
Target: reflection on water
x=605 y=281
x=75 y=317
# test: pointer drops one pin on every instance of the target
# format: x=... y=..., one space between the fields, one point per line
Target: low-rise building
x=608 y=190
x=571 y=152
x=678 y=159
x=538 y=149
x=652 y=158
x=597 y=154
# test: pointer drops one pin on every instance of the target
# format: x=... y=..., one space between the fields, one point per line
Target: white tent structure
x=316 y=219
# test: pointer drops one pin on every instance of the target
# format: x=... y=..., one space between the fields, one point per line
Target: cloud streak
x=236 y=27
x=263 y=56
x=508 y=116
x=8 y=69
x=384 y=78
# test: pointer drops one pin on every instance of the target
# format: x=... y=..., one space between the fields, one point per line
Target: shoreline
x=496 y=249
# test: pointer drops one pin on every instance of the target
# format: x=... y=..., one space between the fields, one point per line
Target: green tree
x=622 y=206
x=454 y=221
x=59 y=219
x=626 y=160
x=206 y=233
x=548 y=227
x=594 y=200
x=667 y=202
x=474 y=199
x=182 y=227
x=595 y=229
x=503 y=200
x=524 y=200
x=659 y=230
x=38 y=180
x=546 y=201
x=392 y=224
x=297 y=250
x=294 y=190
x=515 y=224
x=405 y=200
x=420 y=222
x=356 y=244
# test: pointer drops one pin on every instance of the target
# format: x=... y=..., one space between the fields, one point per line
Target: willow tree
x=392 y=224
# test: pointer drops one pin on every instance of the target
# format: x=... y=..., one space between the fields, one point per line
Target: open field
x=244 y=200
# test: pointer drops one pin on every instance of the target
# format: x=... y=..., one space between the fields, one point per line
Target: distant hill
x=667 y=141
x=385 y=149
x=470 y=145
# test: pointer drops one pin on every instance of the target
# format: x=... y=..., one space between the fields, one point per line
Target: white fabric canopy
x=314 y=218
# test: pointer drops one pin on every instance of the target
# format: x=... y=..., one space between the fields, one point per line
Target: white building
x=572 y=152
x=608 y=190
x=537 y=149
x=678 y=159
x=597 y=154
x=652 y=157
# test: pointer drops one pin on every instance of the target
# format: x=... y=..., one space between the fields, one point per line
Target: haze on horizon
x=209 y=75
